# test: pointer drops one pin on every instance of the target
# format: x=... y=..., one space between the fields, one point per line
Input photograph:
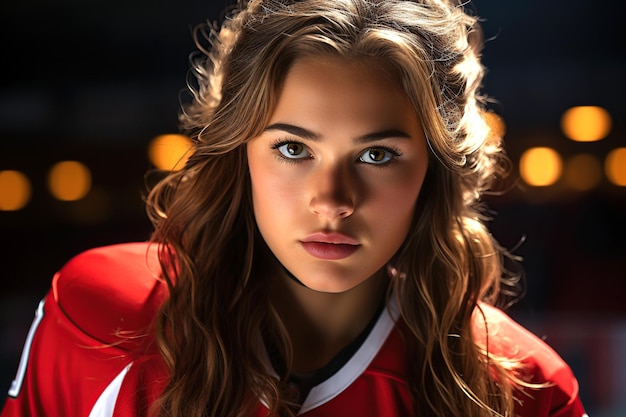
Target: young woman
x=322 y=253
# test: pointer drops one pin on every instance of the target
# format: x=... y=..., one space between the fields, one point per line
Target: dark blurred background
x=97 y=81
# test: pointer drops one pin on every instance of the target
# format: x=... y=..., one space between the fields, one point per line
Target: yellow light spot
x=496 y=124
x=583 y=172
x=586 y=123
x=540 y=166
x=615 y=166
x=15 y=190
x=69 y=180
x=169 y=152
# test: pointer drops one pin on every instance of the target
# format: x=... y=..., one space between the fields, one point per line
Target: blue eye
x=377 y=156
x=292 y=150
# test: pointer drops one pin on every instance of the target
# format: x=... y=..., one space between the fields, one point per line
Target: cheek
x=397 y=205
x=273 y=195
x=398 y=208
x=399 y=195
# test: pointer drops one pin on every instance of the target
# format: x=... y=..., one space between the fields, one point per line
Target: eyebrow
x=307 y=134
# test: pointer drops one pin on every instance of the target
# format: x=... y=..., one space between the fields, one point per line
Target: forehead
x=335 y=88
x=345 y=72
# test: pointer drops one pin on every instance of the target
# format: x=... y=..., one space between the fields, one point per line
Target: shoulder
x=503 y=336
x=111 y=291
x=538 y=363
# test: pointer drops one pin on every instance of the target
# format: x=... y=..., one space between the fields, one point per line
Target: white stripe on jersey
x=337 y=383
x=16 y=385
x=318 y=395
x=106 y=402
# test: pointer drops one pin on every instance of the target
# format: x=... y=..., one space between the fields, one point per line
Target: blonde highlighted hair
x=209 y=329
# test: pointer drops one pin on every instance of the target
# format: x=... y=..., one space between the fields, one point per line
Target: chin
x=335 y=285
x=329 y=289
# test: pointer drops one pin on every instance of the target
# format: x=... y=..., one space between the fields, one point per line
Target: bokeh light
x=15 y=190
x=586 y=123
x=540 y=166
x=582 y=172
x=495 y=123
x=615 y=166
x=94 y=208
x=69 y=180
x=169 y=152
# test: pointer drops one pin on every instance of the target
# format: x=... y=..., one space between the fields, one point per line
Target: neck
x=320 y=324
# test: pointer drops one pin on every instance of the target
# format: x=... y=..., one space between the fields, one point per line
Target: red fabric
x=97 y=320
x=380 y=391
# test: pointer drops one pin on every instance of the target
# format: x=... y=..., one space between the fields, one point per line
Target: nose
x=333 y=193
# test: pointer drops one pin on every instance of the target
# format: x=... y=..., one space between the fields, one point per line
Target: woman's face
x=337 y=172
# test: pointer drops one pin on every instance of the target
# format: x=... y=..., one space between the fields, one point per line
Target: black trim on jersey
x=302 y=383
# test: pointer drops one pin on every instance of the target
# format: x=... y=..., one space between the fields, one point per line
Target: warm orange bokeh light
x=69 y=180
x=15 y=190
x=169 y=152
x=541 y=166
x=615 y=166
x=495 y=123
x=586 y=123
x=583 y=172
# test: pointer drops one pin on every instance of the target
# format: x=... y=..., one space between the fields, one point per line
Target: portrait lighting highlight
x=586 y=123
x=615 y=166
x=69 y=180
x=15 y=190
x=169 y=152
x=540 y=166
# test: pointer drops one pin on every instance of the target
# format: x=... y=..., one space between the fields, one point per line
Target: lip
x=329 y=246
x=331 y=237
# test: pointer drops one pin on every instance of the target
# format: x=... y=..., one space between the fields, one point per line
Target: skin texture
x=325 y=187
x=343 y=158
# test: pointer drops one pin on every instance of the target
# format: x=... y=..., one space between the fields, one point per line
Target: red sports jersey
x=84 y=355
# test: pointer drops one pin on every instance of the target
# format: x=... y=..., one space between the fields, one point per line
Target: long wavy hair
x=209 y=330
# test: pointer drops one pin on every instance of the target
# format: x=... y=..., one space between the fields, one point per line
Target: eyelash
x=395 y=153
x=283 y=158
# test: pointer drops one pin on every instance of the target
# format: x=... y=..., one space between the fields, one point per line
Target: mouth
x=330 y=246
